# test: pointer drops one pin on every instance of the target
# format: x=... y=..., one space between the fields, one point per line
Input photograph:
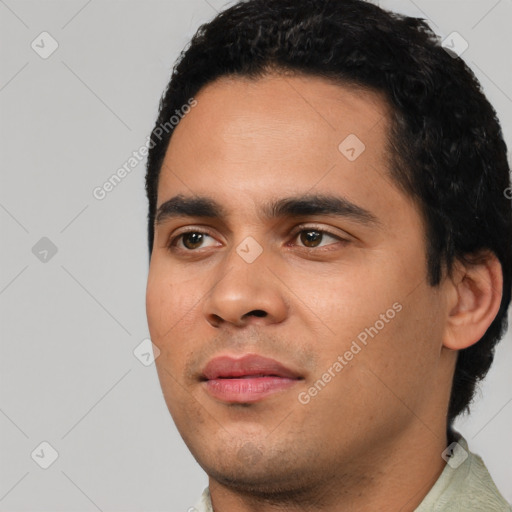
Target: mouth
x=246 y=379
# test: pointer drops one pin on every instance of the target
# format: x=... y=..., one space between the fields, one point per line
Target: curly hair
x=446 y=147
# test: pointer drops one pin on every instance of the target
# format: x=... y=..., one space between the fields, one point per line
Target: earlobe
x=476 y=291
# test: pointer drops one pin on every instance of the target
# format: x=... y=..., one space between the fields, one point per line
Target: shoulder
x=464 y=485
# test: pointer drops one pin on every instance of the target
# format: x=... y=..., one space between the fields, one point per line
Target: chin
x=258 y=470
x=263 y=480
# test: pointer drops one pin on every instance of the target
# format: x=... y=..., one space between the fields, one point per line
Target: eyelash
x=171 y=246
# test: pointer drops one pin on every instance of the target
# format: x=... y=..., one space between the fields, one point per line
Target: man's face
x=308 y=288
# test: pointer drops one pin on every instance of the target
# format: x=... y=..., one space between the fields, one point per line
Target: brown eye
x=311 y=237
x=192 y=240
x=189 y=241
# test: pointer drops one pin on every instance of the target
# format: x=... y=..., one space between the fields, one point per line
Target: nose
x=245 y=293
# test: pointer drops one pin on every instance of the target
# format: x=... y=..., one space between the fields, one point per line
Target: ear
x=474 y=299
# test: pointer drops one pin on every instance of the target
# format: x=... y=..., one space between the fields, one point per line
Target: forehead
x=252 y=138
x=280 y=109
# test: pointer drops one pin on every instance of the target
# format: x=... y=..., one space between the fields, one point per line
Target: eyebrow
x=317 y=204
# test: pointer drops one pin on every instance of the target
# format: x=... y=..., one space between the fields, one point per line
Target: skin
x=372 y=438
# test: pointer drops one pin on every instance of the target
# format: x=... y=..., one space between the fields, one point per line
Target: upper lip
x=247 y=365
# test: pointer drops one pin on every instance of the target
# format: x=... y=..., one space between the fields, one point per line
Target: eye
x=311 y=237
x=189 y=240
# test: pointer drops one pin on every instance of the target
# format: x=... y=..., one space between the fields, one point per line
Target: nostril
x=258 y=312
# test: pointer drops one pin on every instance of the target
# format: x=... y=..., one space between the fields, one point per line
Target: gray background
x=69 y=324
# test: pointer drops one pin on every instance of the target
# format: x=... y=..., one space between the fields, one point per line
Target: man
x=331 y=262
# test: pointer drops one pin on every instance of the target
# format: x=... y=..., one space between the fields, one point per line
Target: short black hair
x=446 y=147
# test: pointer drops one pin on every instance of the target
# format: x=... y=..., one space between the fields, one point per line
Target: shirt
x=464 y=485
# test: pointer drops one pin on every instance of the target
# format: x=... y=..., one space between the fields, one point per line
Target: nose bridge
x=248 y=259
x=246 y=290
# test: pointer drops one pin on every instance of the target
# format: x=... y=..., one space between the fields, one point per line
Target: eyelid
x=175 y=237
x=321 y=228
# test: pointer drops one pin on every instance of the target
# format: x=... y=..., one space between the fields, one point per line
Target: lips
x=246 y=379
x=250 y=365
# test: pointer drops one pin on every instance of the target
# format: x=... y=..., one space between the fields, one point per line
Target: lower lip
x=247 y=390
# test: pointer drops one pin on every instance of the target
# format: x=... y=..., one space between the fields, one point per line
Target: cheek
x=348 y=300
x=155 y=306
x=162 y=304
x=385 y=308
x=172 y=308
x=404 y=355
x=166 y=313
